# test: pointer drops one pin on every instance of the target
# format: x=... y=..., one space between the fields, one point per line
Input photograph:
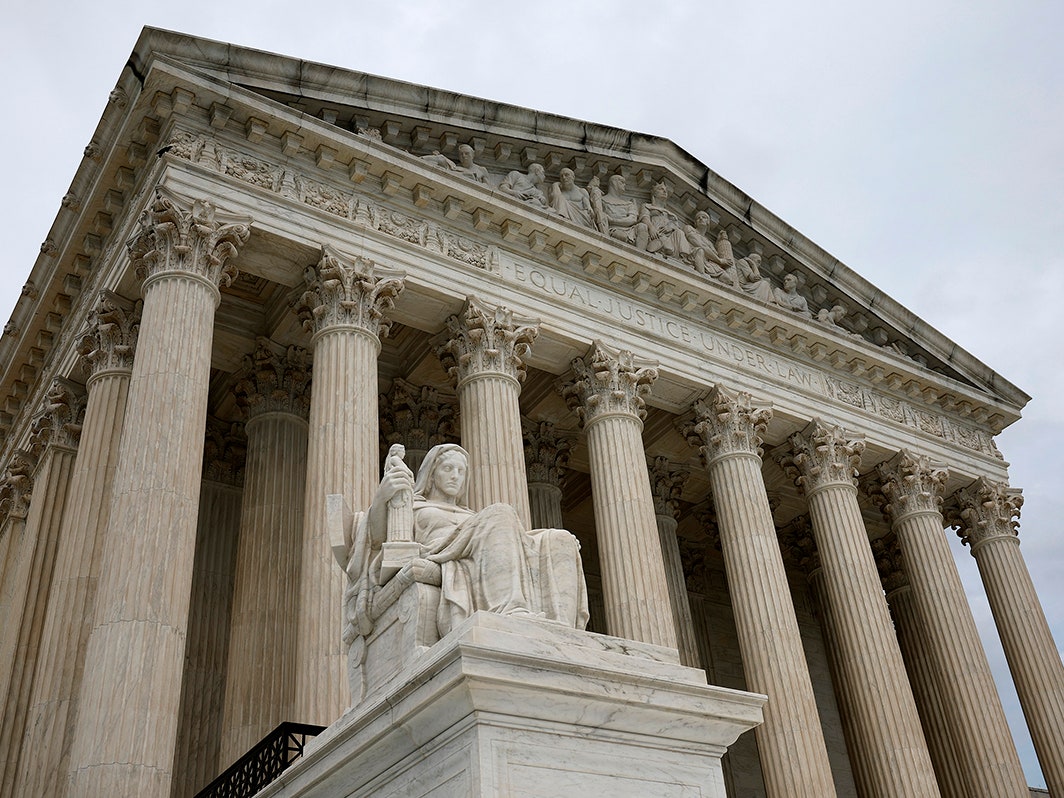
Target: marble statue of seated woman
x=487 y=559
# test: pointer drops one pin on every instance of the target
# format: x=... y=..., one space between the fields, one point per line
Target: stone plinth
x=505 y=706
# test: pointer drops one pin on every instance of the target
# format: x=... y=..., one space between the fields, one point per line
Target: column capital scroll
x=546 y=453
x=416 y=416
x=485 y=339
x=110 y=339
x=224 y=452
x=271 y=380
x=889 y=563
x=905 y=485
x=798 y=545
x=985 y=510
x=343 y=292
x=821 y=455
x=727 y=422
x=666 y=486
x=58 y=423
x=16 y=485
x=188 y=236
x=609 y=381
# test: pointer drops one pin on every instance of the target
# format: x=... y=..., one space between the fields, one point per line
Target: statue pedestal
x=508 y=706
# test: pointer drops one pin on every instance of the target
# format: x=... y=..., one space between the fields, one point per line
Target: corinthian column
x=418 y=418
x=909 y=491
x=794 y=759
x=547 y=458
x=484 y=354
x=985 y=513
x=607 y=393
x=273 y=390
x=666 y=485
x=824 y=463
x=914 y=643
x=343 y=309
x=56 y=430
x=107 y=350
x=128 y=715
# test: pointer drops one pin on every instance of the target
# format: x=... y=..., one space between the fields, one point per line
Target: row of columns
x=134 y=566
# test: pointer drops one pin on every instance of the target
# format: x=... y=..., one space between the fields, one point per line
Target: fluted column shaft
x=986 y=520
x=42 y=532
x=794 y=758
x=886 y=721
x=127 y=720
x=264 y=606
x=343 y=307
x=912 y=489
x=545 y=505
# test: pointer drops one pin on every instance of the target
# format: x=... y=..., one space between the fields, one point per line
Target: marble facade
x=268 y=272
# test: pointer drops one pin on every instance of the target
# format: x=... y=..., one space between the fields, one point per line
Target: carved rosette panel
x=889 y=562
x=110 y=340
x=546 y=453
x=487 y=339
x=192 y=237
x=728 y=422
x=666 y=486
x=16 y=485
x=348 y=293
x=58 y=424
x=907 y=484
x=224 y=452
x=985 y=510
x=274 y=382
x=609 y=381
x=798 y=546
x=416 y=416
x=822 y=454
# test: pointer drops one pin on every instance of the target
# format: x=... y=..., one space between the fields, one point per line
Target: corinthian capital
x=907 y=484
x=821 y=455
x=487 y=339
x=193 y=237
x=889 y=563
x=798 y=546
x=16 y=485
x=985 y=510
x=727 y=422
x=666 y=486
x=272 y=381
x=416 y=416
x=224 y=451
x=59 y=421
x=546 y=453
x=609 y=381
x=111 y=337
x=352 y=293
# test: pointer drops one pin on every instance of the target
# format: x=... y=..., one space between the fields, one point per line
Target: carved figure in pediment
x=569 y=200
x=789 y=298
x=750 y=281
x=526 y=185
x=621 y=213
x=465 y=166
x=704 y=254
x=486 y=560
x=663 y=229
x=598 y=213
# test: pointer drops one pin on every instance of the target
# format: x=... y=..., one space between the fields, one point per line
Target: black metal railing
x=267 y=760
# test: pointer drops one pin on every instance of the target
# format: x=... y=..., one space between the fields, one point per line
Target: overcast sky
x=918 y=141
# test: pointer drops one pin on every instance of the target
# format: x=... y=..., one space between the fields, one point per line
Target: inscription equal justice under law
x=637 y=316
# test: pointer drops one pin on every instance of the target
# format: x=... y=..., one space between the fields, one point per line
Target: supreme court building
x=267 y=271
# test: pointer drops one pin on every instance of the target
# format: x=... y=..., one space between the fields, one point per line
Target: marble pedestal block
x=507 y=706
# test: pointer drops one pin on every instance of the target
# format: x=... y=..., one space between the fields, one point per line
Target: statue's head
x=443 y=474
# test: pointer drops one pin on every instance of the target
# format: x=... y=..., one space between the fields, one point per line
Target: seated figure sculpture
x=483 y=560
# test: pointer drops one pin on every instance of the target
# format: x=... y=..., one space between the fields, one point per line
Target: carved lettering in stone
x=111 y=337
x=485 y=338
x=58 y=424
x=416 y=416
x=728 y=422
x=666 y=486
x=224 y=451
x=822 y=454
x=985 y=510
x=274 y=382
x=16 y=485
x=907 y=484
x=609 y=381
x=176 y=235
x=348 y=292
x=546 y=453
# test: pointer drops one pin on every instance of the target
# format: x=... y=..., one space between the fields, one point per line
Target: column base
x=511 y=706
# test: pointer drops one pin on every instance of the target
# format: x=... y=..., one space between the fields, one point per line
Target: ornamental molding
x=821 y=455
x=348 y=292
x=905 y=485
x=608 y=381
x=486 y=339
x=274 y=380
x=727 y=422
x=985 y=510
x=547 y=453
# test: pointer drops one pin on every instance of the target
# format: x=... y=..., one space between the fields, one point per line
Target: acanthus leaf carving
x=271 y=381
x=344 y=292
x=416 y=417
x=609 y=381
x=484 y=339
x=110 y=340
x=822 y=454
x=907 y=484
x=16 y=485
x=546 y=453
x=666 y=486
x=889 y=563
x=798 y=545
x=985 y=510
x=224 y=451
x=728 y=422
x=58 y=423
